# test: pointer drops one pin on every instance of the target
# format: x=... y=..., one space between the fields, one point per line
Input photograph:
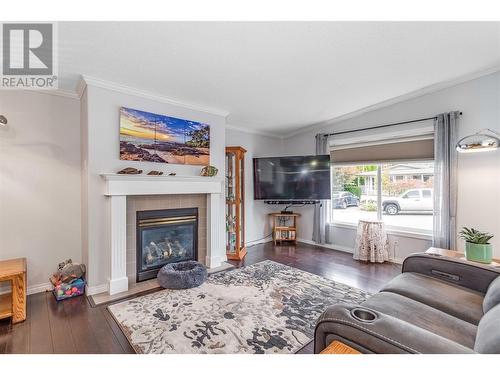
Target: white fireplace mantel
x=123 y=184
x=118 y=187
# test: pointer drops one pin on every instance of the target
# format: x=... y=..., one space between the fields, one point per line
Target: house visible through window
x=406 y=194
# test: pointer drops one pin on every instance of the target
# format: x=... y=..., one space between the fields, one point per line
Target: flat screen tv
x=292 y=178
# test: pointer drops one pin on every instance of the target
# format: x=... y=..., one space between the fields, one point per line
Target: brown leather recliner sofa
x=436 y=305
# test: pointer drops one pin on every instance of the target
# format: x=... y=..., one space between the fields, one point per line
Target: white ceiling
x=277 y=77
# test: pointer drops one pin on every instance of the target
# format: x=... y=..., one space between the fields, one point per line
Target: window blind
x=409 y=149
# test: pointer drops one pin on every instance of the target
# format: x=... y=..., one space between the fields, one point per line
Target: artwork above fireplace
x=165 y=236
x=150 y=137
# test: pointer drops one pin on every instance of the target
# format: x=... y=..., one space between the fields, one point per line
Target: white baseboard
x=33 y=289
x=258 y=242
x=345 y=249
x=39 y=288
x=91 y=290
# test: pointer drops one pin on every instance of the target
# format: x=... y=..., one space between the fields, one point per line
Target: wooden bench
x=14 y=304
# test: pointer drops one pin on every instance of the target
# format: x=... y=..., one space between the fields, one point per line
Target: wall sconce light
x=479 y=142
x=3 y=120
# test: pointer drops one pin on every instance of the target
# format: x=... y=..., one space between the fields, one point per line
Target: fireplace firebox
x=165 y=236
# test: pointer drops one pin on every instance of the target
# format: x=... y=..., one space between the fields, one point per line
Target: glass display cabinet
x=235 y=203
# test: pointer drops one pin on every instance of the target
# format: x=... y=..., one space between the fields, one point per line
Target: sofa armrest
x=384 y=334
x=475 y=276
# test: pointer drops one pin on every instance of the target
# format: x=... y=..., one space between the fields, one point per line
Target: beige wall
x=40 y=213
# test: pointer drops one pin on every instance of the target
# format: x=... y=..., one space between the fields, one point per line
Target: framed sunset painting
x=146 y=136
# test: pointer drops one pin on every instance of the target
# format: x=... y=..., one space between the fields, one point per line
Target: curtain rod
x=383 y=126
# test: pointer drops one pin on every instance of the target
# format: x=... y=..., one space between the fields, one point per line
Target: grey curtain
x=445 y=180
x=320 y=210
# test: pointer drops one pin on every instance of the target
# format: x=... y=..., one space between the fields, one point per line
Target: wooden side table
x=337 y=347
x=14 y=304
x=282 y=231
x=458 y=255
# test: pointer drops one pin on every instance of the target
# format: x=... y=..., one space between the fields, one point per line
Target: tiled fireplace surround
x=163 y=202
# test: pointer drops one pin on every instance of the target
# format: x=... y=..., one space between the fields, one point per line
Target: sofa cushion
x=463 y=303
x=492 y=296
x=488 y=332
x=423 y=316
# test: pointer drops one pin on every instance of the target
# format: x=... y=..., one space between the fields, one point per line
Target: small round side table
x=371 y=242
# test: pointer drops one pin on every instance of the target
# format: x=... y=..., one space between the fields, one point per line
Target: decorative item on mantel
x=209 y=171
x=477 y=245
x=130 y=170
x=235 y=207
x=371 y=242
x=155 y=173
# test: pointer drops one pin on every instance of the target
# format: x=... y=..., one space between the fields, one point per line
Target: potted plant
x=477 y=246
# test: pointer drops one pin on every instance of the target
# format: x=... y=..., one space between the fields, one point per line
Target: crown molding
x=80 y=87
x=97 y=82
x=64 y=93
x=252 y=131
x=398 y=99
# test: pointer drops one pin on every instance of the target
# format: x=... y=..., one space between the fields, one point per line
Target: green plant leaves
x=474 y=236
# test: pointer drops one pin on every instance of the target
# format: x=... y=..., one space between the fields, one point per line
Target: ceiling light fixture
x=3 y=120
x=479 y=142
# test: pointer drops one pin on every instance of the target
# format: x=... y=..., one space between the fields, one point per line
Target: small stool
x=371 y=242
x=14 y=304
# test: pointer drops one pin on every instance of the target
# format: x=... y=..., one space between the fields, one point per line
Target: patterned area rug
x=263 y=308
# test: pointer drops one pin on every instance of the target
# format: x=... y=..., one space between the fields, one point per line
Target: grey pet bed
x=182 y=275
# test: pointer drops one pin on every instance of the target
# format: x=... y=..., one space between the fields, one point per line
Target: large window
x=399 y=193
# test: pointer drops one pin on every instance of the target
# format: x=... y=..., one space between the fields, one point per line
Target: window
x=405 y=194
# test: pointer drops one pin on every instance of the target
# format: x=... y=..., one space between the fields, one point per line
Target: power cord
x=294 y=205
x=270 y=234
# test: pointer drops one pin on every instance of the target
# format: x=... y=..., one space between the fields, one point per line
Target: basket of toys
x=69 y=280
x=65 y=290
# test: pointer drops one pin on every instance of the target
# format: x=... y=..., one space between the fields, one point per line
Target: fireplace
x=165 y=236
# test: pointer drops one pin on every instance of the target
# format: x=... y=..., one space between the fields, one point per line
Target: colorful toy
x=68 y=280
x=64 y=291
x=67 y=272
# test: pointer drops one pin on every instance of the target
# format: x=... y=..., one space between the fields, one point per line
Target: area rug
x=267 y=307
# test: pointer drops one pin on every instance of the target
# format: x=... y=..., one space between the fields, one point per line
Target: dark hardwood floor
x=73 y=326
